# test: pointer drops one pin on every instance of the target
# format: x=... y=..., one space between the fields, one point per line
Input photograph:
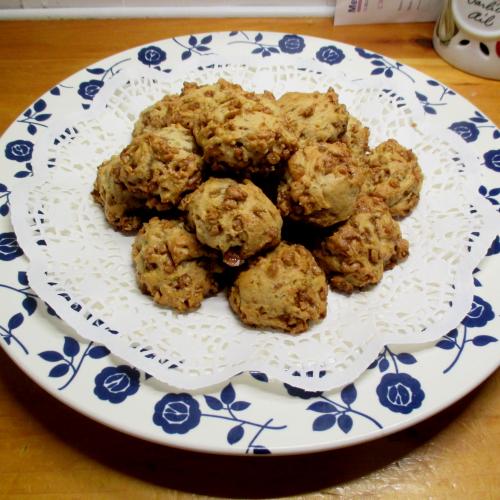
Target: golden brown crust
x=285 y=289
x=120 y=207
x=321 y=184
x=244 y=132
x=314 y=116
x=356 y=138
x=394 y=175
x=172 y=266
x=235 y=218
x=161 y=166
x=156 y=116
x=357 y=253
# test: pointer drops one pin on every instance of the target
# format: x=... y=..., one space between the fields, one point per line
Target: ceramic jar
x=467 y=35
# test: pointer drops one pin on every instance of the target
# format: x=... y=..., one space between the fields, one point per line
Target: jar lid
x=479 y=18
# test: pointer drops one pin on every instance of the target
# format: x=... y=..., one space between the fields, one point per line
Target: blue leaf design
x=22 y=277
x=71 y=347
x=206 y=39
x=433 y=83
x=40 y=105
x=233 y=33
x=483 y=191
x=258 y=50
x=4 y=210
x=85 y=106
x=21 y=174
x=324 y=422
x=213 y=403
x=202 y=48
x=345 y=423
x=15 y=321
x=377 y=71
x=349 y=394
x=378 y=62
x=274 y=50
x=186 y=55
x=98 y=351
x=55 y=91
x=388 y=73
x=193 y=41
x=266 y=53
x=373 y=364
x=367 y=55
x=227 y=394
x=29 y=304
x=478 y=120
x=482 y=340
x=445 y=344
x=261 y=377
x=258 y=37
x=260 y=450
x=235 y=434
x=430 y=110
x=322 y=407
x=495 y=191
x=59 y=370
x=421 y=97
x=27 y=113
x=383 y=365
x=96 y=71
x=44 y=117
x=406 y=358
x=31 y=129
x=51 y=356
x=239 y=405
x=496 y=134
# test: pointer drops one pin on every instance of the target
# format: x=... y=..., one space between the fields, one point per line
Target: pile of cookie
x=271 y=198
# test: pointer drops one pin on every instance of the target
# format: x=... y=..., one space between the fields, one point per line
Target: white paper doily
x=83 y=269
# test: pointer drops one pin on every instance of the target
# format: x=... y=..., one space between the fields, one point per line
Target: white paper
x=84 y=270
x=386 y=11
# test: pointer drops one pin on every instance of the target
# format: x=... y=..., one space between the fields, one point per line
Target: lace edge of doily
x=117 y=347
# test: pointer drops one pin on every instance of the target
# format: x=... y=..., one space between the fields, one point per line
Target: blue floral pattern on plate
x=252 y=414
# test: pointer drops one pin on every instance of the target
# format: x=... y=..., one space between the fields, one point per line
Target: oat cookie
x=284 y=289
x=395 y=175
x=321 y=184
x=356 y=138
x=314 y=116
x=237 y=219
x=245 y=133
x=121 y=208
x=172 y=266
x=161 y=166
x=358 y=252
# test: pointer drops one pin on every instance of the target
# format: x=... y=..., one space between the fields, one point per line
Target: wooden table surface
x=48 y=450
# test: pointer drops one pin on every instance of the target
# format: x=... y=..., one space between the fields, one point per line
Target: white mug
x=467 y=35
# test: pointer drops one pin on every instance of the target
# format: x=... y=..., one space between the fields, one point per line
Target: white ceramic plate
x=250 y=415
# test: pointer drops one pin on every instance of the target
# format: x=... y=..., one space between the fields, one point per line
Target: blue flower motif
x=480 y=313
x=151 y=56
x=492 y=159
x=466 y=130
x=19 y=150
x=399 y=392
x=330 y=55
x=9 y=249
x=89 y=89
x=291 y=44
x=177 y=413
x=116 y=383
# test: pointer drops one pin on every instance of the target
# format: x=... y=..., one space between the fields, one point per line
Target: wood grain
x=48 y=450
